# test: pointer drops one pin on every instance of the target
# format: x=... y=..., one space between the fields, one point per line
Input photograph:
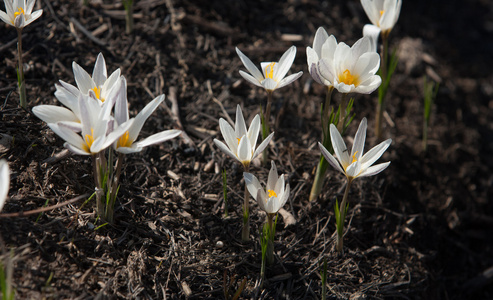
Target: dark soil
x=419 y=230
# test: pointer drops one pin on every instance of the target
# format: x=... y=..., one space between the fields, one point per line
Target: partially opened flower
x=68 y=95
x=240 y=142
x=273 y=74
x=372 y=32
x=356 y=164
x=126 y=143
x=4 y=182
x=353 y=69
x=323 y=48
x=383 y=13
x=276 y=192
x=98 y=84
x=19 y=13
x=97 y=132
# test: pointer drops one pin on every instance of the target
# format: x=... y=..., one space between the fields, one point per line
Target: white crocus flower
x=383 y=13
x=273 y=74
x=274 y=196
x=98 y=84
x=355 y=165
x=126 y=143
x=353 y=69
x=68 y=95
x=240 y=141
x=19 y=13
x=4 y=182
x=323 y=48
x=96 y=128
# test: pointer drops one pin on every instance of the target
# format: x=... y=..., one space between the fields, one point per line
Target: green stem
x=97 y=182
x=115 y=182
x=20 y=74
x=342 y=211
x=245 y=232
x=129 y=18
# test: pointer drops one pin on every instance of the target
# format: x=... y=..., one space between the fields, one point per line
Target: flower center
x=97 y=91
x=89 y=139
x=271 y=193
x=269 y=70
x=124 y=141
x=347 y=78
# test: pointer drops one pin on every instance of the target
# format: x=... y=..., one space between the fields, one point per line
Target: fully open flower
x=353 y=69
x=356 y=164
x=4 y=182
x=98 y=84
x=126 y=143
x=383 y=13
x=97 y=132
x=274 y=196
x=240 y=141
x=19 y=13
x=323 y=48
x=273 y=73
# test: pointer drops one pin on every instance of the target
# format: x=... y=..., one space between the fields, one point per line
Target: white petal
x=4 y=182
x=121 y=103
x=279 y=185
x=251 y=79
x=339 y=146
x=229 y=135
x=83 y=79
x=288 y=80
x=369 y=86
x=359 y=140
x=331 y=159
x=375 y=153
x=67 y=135
x=240 y=125
x=4 y=17
x=225 y=149
x=54 y=114
x=250 y=66
x=320 y=37
x=110 y=84
x=272 y=179
x=99 y=73
x=244 y=150
x=252 y=184
x=261 y=199
x=269 y=84
x=75 y=150
x=374 y=170
x=326 y=70
x=129 y=150
x=142 y=116
x=372 y=32
x=372 y=10
x=263 y=145
x=159 y=138
x=284 y=64
x=254 y=130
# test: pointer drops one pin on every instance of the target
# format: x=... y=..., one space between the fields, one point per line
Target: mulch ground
x=419 y=230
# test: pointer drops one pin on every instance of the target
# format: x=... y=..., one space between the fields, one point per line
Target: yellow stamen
x=271 y=193
x=354 y=157
x=97 y=91
x=381 y=12
x=238 y=140
x=19 y=12
x=269 y=70
x=89 y=139
x=347 y=78
x=124 y=141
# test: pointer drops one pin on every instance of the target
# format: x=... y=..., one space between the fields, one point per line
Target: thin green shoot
x=225 y=192
x=323 y=274
x=40 y=214
x=430 y=91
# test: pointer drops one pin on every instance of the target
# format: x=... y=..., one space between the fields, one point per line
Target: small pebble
x=219 y=244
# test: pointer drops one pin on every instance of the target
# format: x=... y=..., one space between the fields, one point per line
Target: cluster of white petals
x=382 y=13
x=350 y=69
x=88 y=125
x=19 y=13
x=276 y=192
x=240 y=142
x=273 y=75
x=356 y=164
